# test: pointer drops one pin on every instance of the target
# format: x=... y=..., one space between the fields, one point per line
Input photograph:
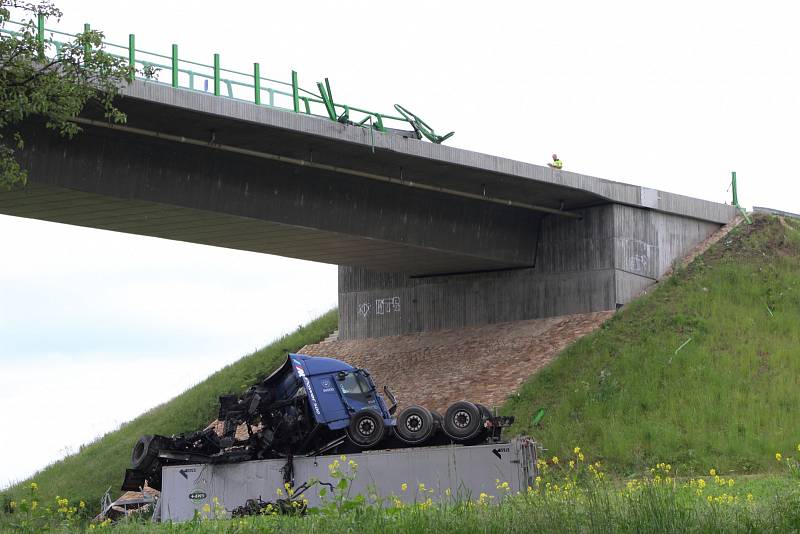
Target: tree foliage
x=54 y=81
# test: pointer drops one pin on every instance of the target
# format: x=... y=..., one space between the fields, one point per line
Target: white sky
x=667 y=95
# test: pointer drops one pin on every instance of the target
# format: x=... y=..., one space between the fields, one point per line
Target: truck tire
x=463 y=421
x=366 y=428
x=415 y=425
x=144 y=453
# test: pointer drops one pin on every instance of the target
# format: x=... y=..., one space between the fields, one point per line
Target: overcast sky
x=667 y=95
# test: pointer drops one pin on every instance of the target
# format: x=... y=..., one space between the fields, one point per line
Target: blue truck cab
x=337 y=391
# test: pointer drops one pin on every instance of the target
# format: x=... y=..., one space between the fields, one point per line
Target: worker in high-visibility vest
x=556 y=163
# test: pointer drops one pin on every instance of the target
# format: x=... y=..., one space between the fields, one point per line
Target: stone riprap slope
x=484 y=364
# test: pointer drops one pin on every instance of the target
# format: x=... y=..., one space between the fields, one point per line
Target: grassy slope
x=728 y=399
x=101 y=464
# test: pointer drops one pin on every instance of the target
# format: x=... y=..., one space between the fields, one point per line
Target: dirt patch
x=484 y=364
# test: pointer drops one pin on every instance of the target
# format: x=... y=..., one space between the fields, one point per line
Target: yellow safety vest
x=557 y=164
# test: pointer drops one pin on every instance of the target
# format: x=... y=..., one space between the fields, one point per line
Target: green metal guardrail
x=249 y=87
x=735 y=199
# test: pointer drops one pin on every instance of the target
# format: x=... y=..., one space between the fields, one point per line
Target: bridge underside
x=68 y=206
x=121 y=181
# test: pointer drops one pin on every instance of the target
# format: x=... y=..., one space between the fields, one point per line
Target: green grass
x=87 y=474
x=590 y=506
x=728 y=399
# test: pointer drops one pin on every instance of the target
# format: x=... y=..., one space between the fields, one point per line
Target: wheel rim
x=462 y=419
x=414 y=423
x=366 y=427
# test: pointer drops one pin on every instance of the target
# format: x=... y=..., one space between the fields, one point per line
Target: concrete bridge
x=426 y=236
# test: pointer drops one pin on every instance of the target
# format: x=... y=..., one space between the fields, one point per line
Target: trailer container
x=444 y=472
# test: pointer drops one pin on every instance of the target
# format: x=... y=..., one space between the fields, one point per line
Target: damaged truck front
x=308 y=406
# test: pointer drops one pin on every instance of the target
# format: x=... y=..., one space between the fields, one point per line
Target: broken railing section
x=735 y=199
x=251 y=87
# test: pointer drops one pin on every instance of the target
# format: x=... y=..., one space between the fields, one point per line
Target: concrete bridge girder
x=399 y=228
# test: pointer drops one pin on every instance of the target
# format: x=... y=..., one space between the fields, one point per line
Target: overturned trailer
x=445 y=472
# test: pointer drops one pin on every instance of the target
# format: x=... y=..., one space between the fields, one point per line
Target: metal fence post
x=257 y=81
x=216 y=74
x=295 y=92
x=40 y=33
x=132 y=56
x=174 y=65
x=87 y=50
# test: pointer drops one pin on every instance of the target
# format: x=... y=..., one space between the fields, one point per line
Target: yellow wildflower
x=343 y=458
x=580 y=456
x=572 y=464
x=403 y=486
x=576 y=450
x=712 y=472
x=447 y=492
x=206 y=508
x=730 y=482
x=554 y=459
x=538 y=481
x=34 y=504
x=749 y=497
x=34 y=486
x=82 y=504
x=778 y=456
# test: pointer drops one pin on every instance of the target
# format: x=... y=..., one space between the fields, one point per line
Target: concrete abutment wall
x=596 y=263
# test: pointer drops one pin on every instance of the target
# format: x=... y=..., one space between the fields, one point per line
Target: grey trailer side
x=466 y=471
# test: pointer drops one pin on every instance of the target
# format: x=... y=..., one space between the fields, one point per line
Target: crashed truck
x=308 y=407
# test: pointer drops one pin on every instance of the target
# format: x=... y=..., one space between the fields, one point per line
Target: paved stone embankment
x=484 y=364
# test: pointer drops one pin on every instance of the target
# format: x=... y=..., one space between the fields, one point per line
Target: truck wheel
x=143 y=454
x=366 y=428
x=463 y=421
x=415 y=425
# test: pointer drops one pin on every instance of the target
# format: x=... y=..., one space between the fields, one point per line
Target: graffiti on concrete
x=638 y=263
x=382 y=307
